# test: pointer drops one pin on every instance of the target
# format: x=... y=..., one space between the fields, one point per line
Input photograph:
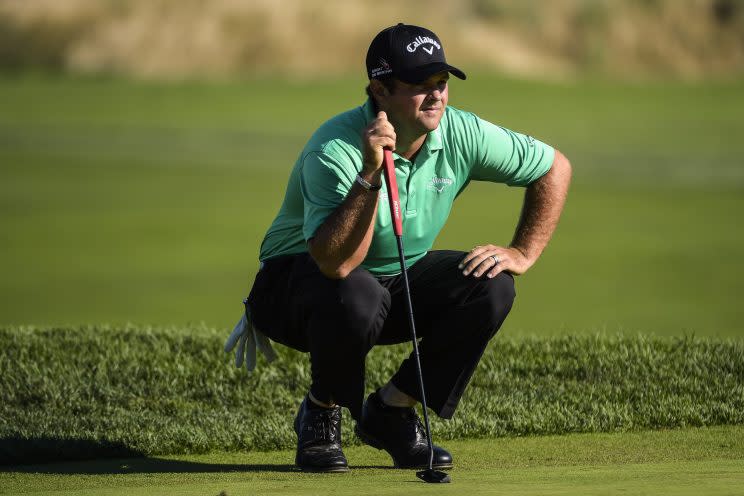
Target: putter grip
x=392 y=190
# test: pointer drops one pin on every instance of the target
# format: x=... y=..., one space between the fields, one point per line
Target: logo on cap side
x=423 y=40
x=384 y=68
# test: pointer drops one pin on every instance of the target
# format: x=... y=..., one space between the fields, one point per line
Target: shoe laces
x=414 y=421
x=326 y=424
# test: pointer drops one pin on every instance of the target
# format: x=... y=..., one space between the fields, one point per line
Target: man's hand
x=543 y=203
x=378 y=135
x=489 y=260
x=341 y=242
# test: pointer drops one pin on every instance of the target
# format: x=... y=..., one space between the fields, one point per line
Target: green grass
x=687 y=462
x=72 y=393
x=146 y=202
x=140 y=202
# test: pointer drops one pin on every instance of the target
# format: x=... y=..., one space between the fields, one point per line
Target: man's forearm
x=543 y=203
x=341 y=243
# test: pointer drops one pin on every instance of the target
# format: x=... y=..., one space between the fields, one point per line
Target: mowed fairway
x=146 y=202
x=681 y=462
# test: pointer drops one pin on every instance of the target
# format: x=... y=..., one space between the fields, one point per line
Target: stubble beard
x=430 y=123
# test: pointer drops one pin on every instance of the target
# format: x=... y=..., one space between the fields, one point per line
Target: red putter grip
x=392 y=189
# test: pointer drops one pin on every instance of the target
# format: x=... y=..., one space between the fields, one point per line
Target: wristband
x=366 y=184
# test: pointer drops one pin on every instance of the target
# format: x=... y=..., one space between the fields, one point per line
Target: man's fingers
x=496 y=271
x=479 y=260
x=379 y=134
x=470 y=264
x=489 y=261
x=383 y=140
x=381 y=122
x=510 y=261
x=504 y=264
x=381 y=128
x=471 y=255
x=485 y=262
x=473 y=265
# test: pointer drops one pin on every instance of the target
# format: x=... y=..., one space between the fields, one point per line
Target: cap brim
x=423 y=73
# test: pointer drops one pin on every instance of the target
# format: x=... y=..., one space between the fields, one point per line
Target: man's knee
x=498 y=297
x=501 y=290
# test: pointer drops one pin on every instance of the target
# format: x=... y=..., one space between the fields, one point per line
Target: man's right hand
x=341 y=242
x=378 y=135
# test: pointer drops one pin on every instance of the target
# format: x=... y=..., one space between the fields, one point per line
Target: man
x=330 y=282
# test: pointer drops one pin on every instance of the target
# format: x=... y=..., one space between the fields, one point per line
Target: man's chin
x=430 y=123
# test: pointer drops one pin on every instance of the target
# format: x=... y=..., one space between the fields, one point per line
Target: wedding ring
x=496 y=259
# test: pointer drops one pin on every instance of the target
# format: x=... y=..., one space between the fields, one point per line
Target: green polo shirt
x=463 y=148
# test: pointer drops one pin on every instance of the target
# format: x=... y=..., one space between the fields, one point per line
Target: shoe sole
x=320 y=470
x=371 y=441
x=330 y=470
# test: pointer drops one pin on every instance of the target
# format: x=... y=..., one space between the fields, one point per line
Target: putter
x=428 y=475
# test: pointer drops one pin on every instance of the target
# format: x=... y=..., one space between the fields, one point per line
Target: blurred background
x=145 y=147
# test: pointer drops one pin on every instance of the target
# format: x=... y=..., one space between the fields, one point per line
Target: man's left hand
x=489 y=260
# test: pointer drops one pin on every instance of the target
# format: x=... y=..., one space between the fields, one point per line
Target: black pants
x=338 y=321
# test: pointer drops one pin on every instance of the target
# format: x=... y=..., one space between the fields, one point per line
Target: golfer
x=330 y=281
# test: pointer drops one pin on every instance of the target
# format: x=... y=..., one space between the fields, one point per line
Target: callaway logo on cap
x=409 y=53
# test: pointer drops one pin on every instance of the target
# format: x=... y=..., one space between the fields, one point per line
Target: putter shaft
x=396 y=217
x=414 y=340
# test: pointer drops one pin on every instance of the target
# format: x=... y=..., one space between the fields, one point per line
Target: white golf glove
x=248 y=338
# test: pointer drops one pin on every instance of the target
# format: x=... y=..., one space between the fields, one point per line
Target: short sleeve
x=324 y=183
x=505 y=156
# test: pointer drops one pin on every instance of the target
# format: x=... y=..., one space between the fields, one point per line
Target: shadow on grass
x=79 y=456
x=143 y=466
x=16 y=450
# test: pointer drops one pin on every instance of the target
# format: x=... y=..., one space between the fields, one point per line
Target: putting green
x=692 y=461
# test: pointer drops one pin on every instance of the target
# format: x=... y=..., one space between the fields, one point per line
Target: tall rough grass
x=101 y=391
x=191 y=38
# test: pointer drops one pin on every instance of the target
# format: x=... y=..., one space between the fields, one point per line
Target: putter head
x=433 y=476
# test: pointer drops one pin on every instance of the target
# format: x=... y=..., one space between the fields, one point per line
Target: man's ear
x=378 y=89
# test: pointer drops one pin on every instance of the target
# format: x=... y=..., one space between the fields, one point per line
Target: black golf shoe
x=319 y=439
x=398 y=431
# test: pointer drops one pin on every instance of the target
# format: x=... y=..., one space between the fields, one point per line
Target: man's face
x=418 y=108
